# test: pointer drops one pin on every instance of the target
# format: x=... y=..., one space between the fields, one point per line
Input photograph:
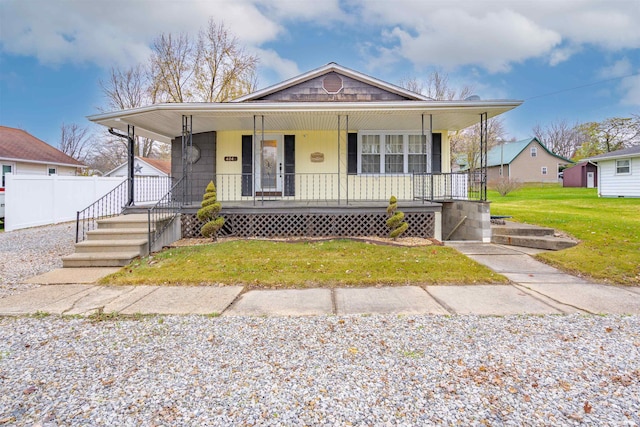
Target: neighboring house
x=24 y=154
x=527 y=160
x=320 y=154
x=618 y=173
x=144 y=166
x=584 y=174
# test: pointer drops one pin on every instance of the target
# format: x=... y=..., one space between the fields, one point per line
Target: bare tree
x=171 y=67
x=75 y=141
x=611 y=134
x=560 y=137
x=466 y=143
x=436 y=87
x=412 y=84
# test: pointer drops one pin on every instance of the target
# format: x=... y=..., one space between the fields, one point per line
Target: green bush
x=209 y=212
x=395 y=221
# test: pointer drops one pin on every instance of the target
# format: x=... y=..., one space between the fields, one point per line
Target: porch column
x=187 y=159
x=483 y=156
x=130 y=164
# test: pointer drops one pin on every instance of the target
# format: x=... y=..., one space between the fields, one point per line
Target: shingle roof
x=161 y=165
x=16 y=144
x=507 y=152
x=626 y=152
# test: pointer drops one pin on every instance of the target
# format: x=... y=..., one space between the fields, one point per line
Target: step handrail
x=111 y=204
x=164 y=212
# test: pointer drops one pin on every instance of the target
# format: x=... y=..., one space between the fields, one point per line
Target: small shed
x=584 y=174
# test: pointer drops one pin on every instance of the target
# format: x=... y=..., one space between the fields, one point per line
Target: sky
x=571 y=60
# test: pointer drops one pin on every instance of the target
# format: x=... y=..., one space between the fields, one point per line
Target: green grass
x=608 y=228
x=297 y=265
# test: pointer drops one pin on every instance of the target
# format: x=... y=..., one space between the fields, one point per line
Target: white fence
x=33 y=200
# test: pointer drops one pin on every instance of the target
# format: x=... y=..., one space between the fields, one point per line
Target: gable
x=333 y=86
x=16 y=144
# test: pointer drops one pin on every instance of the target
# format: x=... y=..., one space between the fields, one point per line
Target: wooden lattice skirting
x=421 y=224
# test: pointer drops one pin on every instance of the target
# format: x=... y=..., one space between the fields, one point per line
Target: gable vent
x=332 y=83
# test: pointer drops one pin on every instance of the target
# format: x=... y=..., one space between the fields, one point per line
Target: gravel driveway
x=31 y=251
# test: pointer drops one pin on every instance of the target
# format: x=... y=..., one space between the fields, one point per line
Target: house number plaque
x=317 y=157
x=231 y=159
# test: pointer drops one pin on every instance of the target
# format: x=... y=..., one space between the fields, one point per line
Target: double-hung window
x=623 y=167
x=392 y=153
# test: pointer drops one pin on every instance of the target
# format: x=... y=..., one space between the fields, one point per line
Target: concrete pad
x=514 y=264
x=87 y=303
x=634 y=289
x=388 y=300
x=591 y=297
x=489 y=300
x=289 y=302
x=72 y=275
x=124 y=300
x=543 y=278
x=479 y=248
x=185 y=300
x=525 y=250
x=40 y=299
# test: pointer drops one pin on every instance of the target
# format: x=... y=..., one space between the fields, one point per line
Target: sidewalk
x=536 y=289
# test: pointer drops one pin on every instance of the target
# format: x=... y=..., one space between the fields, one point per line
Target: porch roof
x=162 y=122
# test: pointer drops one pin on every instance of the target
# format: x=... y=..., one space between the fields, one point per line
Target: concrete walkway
x=536 y=289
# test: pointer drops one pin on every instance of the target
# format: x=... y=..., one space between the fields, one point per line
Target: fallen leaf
x=512 y=390
x=353 y=350
x=587 y=408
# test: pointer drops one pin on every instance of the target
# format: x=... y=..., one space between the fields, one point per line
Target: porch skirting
x=355 y=222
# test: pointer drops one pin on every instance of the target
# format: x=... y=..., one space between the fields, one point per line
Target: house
x=618 y=172
x=320 y=154
x=144 y=166
x=527 y=160
x=584 y=174
x=22 y=153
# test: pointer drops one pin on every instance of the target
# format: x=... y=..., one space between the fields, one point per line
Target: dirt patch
x=402 y=241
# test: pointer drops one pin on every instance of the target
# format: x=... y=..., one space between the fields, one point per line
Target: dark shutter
x=247 y=165
x=289 y=165
x=436 y=153
x=352 y=153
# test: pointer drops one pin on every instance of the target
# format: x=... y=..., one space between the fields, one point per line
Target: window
x=543 y=170
x=370 y=159
x=52 y=171
x=392 y=153
x=534 y=151
x=5 y=170
x=623 y=167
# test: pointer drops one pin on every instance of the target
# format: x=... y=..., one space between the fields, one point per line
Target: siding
x=528 y=169
x=612 y=185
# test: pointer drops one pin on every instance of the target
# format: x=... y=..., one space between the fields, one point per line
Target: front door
x=269 y=173
x=590 y=180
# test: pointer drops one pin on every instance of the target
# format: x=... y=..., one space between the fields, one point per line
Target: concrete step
x=516 y=229
x=102 y=259
x=118 y=233
x=138 y=246
x=130 y=221
x=539 y=242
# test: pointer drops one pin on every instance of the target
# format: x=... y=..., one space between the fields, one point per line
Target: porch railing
x=146 y=189
x=332 y=187
x=164 y=212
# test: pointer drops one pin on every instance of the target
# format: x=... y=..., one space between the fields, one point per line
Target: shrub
x=209 y=212
x=395 y=220
x=505 y=186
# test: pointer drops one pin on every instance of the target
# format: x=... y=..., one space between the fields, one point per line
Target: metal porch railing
x=164 y=212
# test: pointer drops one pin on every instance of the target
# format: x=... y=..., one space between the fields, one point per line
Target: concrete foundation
x=466 y=220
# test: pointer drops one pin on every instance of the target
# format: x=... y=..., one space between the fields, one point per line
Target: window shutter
x=436 y=153
x=289 y=165
x=247 y=165
x=352 y=153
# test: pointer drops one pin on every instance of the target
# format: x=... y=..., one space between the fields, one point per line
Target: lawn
x=608 y=228
x=268 y=264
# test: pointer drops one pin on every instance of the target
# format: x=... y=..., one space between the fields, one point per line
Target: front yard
x=609 y=229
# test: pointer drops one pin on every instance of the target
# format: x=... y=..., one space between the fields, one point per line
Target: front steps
x=115 y=243
x=529 y=236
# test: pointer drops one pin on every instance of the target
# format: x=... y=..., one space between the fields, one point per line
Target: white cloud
x=619 y=68
x=283 y=68
x=630 y=87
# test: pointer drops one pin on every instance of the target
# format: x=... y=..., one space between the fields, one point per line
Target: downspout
x=130 y=161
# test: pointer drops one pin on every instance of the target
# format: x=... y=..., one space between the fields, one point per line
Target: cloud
x=283 y=68
x=620 y=68
x=630 y=87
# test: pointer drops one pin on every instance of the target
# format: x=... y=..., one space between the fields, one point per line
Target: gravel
x=325 y=370
x=31 y=251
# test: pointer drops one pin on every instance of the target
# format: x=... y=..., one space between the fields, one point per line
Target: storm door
x=269 y=166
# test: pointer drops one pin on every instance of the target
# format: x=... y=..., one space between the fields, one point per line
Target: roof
x=18 y=145
x=163 y=122
x=326 y=69
x=163 y=166
x=626 y=152
x=506 y=153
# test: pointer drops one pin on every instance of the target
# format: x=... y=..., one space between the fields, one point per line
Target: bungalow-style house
x=22 y=153
x=584 y=174
x=527 y=160
x=618 y=172
x=320 y=154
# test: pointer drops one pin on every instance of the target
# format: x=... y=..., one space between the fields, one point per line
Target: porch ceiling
x=162 y=122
